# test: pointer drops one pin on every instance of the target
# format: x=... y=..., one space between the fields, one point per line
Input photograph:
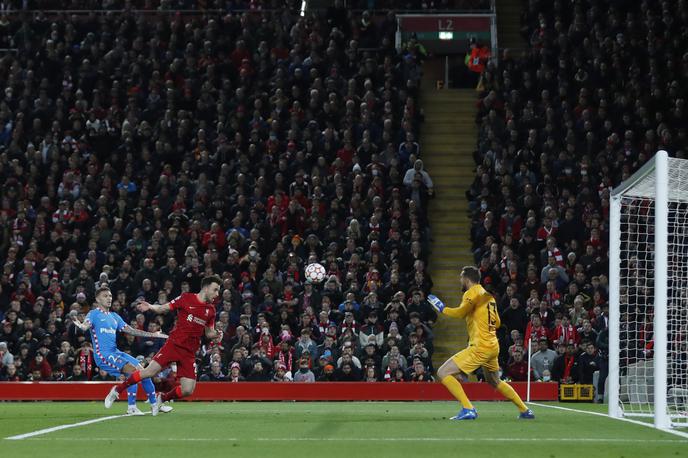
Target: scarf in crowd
x=567 y=333
x=556 y=253
x=568 y=365
x=86 y=363
x=286 y=358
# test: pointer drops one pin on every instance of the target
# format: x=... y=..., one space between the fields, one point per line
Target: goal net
x=648 y=300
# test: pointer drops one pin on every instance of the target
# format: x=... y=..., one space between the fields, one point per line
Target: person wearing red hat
x=235 y=373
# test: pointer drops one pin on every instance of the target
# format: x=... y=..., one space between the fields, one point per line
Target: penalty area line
x=628 y=420
x=61 y=427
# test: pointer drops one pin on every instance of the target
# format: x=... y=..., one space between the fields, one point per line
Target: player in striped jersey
x=104 y=325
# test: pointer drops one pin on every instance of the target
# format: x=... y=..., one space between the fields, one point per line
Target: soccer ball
x=315 y=273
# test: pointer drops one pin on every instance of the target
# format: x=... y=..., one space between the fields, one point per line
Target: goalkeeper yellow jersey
x=479 y=309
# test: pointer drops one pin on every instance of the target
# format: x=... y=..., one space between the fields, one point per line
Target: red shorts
x=173 y=353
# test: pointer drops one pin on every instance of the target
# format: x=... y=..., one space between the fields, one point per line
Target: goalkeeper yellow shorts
x=473 y=357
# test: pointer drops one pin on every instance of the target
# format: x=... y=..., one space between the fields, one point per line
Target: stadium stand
x=146 y=151
x=559 y=127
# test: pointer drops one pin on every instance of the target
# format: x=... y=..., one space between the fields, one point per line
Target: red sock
x=175 y=393
x=133 y=379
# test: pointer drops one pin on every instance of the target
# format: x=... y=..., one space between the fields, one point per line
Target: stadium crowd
x=601 y=87
x=145 y=152
x=148 y=152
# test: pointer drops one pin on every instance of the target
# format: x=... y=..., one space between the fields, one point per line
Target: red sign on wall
x=446 y=33
x=448 y=23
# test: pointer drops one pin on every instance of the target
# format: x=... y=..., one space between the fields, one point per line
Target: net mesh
x=636 y=296
x=677 y=314
x=636 y=299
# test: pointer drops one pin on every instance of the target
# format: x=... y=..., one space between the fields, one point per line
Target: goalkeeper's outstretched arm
x=457 y=312
x=461 y=311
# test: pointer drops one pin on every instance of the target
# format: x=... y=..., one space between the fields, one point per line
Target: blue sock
x=131 y=394
x=149 y=388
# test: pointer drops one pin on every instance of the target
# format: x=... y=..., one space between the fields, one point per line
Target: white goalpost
x=648 y=294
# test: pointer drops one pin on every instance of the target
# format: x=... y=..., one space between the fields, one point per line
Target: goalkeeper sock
x=509 y=393
x=174 y=393
x=131 y=395
x=149 y=388
x=456 y=390
x=133 y=379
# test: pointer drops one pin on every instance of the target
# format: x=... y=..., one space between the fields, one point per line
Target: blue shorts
x=112 y=363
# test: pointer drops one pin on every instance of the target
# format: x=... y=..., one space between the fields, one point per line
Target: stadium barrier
x=266 y=391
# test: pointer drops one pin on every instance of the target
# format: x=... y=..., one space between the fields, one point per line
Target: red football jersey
x=192 y=318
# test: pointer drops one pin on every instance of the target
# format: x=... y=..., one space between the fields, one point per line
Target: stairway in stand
x=448 y=139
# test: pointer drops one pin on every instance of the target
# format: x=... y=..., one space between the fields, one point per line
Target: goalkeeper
x=479 y=309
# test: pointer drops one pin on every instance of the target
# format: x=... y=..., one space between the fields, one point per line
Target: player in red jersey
x=195 y=318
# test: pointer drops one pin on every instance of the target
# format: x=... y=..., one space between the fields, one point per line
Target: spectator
x=578 y=312
x=535 y=330
x=419 y=373
x=6 y=358
x=371 y=374
x=588 y=363
x=215 y=374
x=565 y=368
x=77 y=374
x=328 y=374
x=516 y=343
x=305 y=344
x=586 y=332
x=408 y=149
x=514 y=317
x=543 y=359
x=39 y=366
x=555 y=272
x=510 y=223
x=417 y=172
x=347 y=373
x=566 y=332
x=304 y=374
x=10 y=374
x=371 y=331
x=235 y=373
x=281 y=374
x=517 y=370
x=258 y=372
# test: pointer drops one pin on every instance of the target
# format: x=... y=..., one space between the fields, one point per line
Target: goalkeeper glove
x=436 y=302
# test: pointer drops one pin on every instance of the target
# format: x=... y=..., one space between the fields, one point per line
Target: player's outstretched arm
x=462 y=310
x=457 y=312
x=139 y=333
x=85 y=326
x=144 y=306
x=214 y=334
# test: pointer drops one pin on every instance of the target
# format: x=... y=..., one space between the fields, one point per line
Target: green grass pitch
x=326 y=429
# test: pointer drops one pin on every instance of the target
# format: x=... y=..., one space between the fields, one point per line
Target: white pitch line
x=369 y=439
x=61 y=427
x=628 y=420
